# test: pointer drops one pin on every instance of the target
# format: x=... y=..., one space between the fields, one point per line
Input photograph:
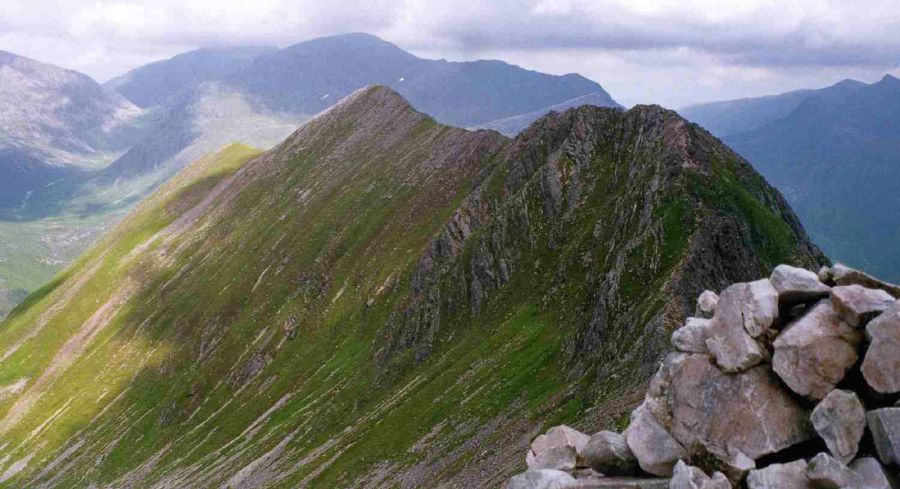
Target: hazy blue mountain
x=837 y=160
x=262 y=103
x=311 y=76
x=735 y=116
x=152 y=84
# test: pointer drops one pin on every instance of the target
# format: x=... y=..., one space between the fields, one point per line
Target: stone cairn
x=782 y=383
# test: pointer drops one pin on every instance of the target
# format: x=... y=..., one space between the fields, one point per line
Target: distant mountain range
x=381 y=301
x=835 y=154
x=75 y=155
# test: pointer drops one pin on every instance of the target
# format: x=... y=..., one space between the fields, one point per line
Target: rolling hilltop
x=380 y=300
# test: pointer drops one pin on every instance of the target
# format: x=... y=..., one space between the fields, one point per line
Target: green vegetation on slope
x=379 y=300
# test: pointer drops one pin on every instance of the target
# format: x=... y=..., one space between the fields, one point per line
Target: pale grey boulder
x=560 y=457
x=744 y=311
x=691 y=338
x=559 y=442
x=884 y=424
x=840 y=420
x=857 y=305
x=872 y=473
x=685 y=476
x=656 y=450
x=797 y=285
x=780 y=476
x=881 y=365
x=844 y=275
x=814 y=352
x=607 y=452
x=706 y=304
x=542 y=479
x=827 y=473
x=825 y=275
x=737 y=418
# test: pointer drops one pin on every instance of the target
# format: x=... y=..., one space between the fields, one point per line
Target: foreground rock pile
x=782 y=383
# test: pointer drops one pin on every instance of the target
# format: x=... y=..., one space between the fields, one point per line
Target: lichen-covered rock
x=840 y=420
x=608 y=453
x=797 y=285
x=815 y=351
x=884 y=424
x=780 y=476
x=881 y=365
x=872 y=473
x=844 y=275
x=856 y=305
x=656 y=450
x=541 y=479
x=691 y=338
x=706 y=304
x=827 y=473
x=732 y=416
x=744 y=311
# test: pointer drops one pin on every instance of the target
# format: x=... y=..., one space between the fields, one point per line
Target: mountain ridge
x=385 y=301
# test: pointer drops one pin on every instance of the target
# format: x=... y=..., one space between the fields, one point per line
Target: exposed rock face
x=844 y=275
x=856 y=305
x=840 y=420
x=541 y=479
x=797 y=285
x=688 y=477
x=827 y=473
x=872 y=473
x=656 y=450
x=740 y=425
x=706 y=304
x=562 y=457
x=881 y=365
x=730 y=414
x=557 y=449
x=691 y=338
x=780 y=476
x=815 y=351
x=885 y=427
x=744 y=311
x=607 y=452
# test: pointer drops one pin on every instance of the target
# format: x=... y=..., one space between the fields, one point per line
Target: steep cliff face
x=380 y=300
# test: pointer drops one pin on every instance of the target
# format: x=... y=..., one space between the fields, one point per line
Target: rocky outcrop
x=728 y=418
x=608 y=453
x=814 y=352
x=885 y=427
x=780 y=476
x=881 y=366
x=840 y=420
x=856 y=305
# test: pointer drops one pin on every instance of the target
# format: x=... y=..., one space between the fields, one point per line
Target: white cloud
x=668 y=51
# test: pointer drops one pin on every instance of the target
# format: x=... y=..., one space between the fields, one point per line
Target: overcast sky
x=672 y=52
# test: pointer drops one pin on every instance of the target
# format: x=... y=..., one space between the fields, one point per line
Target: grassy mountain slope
x=828 y=150
x=380 y=300
x=199 y=101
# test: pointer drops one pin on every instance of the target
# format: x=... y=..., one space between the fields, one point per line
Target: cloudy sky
x=672 y=52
